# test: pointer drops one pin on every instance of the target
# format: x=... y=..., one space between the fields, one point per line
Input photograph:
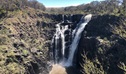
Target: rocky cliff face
x=103 y=46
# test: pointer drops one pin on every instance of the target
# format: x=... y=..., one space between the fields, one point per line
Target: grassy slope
x=20 y=40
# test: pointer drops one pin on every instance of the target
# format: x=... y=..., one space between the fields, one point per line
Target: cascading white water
x=56 y=36
x=63 y=38
x=59 y=34
x=77 y=32
x=62 y=18
x=76 y=35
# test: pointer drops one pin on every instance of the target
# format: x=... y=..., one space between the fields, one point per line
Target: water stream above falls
x=65 y=40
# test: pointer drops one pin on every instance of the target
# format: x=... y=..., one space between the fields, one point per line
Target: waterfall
x=77 y=32
x=63 y=18
x=63 y=39
x=59 y=43
x=55 y=41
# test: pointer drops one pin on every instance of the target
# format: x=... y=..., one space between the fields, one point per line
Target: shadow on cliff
x=103 y=47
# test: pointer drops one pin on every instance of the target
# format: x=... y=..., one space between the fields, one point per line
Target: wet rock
x=72 y=70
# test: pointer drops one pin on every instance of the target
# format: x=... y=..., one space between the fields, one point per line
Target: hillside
x=103 y=46
x=22 y=41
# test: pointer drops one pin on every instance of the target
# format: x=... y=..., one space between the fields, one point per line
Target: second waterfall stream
x=65 y=41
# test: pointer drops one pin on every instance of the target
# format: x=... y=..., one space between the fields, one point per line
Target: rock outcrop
x=102 y=46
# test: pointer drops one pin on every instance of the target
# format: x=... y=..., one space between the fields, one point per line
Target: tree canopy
x=11 y=5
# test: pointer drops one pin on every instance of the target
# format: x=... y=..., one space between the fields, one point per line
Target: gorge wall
x=102 y=47
x=25 y=39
